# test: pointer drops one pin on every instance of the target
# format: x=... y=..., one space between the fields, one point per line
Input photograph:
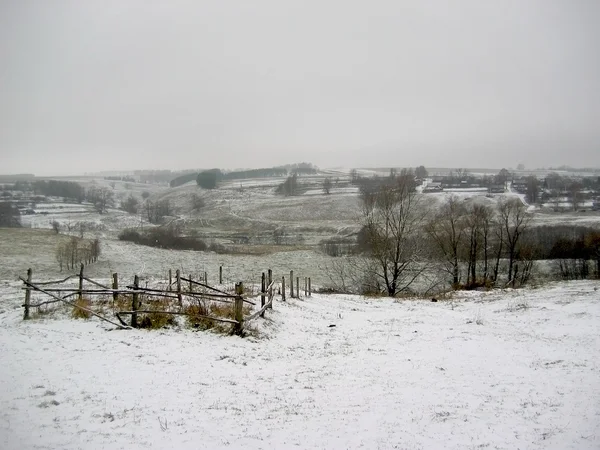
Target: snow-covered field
x=499 y=370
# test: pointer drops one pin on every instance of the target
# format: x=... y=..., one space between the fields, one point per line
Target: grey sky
x=96 y=85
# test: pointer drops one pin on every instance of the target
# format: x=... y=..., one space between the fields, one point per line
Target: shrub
x=163 y=237
x=197 y=202
x=130 y=205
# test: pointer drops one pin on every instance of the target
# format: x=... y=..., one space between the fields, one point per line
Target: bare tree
x=592 y=242
x=498 y=245
x=575 y=193
x=533 y=189
x=446 y=230
x=197 y=202
x=478 y=224
x=462 y=174
x=514 y=219
x=155 y=211
x=55 y=226
x=77 y=250
x=327 y=186
x=101 y=197
x=392 y=220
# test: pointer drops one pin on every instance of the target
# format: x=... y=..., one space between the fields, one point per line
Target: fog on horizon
x=94 y=86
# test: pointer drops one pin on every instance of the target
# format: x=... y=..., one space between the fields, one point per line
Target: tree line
x=77 y=251
x=403 y=237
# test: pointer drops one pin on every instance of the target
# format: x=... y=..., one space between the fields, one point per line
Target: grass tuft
x=156 y=320
x=79 y=313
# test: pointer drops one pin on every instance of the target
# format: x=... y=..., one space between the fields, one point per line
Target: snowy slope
x=503 y=370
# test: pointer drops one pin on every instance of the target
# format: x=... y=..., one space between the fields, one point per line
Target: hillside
x=502 y=369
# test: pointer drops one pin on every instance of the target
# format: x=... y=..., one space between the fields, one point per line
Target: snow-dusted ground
x=500 y=370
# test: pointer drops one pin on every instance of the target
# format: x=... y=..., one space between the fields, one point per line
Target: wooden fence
x=196 y=290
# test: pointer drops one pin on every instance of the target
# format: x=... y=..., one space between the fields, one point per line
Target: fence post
x=220 y=274
x=291 y=284
x=305 y=286
x=28 y=294
x=134 y=302
x=238 y=308
x=191 y=287
x=115 y=286
x=262 y=293
x=170 y=280
x=205 y=277
x=297 y=287
x=269 y=281
x=309 y=288
x=80 y=295
x=179 y=297
x=283 y=288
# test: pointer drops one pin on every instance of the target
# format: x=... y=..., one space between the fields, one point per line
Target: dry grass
x=18 y=246
x=77 y=312
x=214 y=309
x=156 y=320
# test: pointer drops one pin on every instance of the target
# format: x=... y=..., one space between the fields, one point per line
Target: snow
x=500 y=369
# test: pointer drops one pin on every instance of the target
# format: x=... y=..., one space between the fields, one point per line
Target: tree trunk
x=485 y=258
x=474 y=262
x=455 y=270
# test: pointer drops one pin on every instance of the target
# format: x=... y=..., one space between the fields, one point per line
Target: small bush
x=130 y=234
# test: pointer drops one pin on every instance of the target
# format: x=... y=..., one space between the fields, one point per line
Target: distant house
x=496 y=189
x=519 y=185
x=433 y=187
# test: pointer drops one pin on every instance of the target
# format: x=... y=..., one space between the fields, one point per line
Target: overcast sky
x=97 y=85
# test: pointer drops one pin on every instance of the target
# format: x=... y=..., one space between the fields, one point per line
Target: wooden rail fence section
x=207 y=292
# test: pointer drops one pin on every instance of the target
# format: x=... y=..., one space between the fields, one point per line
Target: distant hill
x=16 y=177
